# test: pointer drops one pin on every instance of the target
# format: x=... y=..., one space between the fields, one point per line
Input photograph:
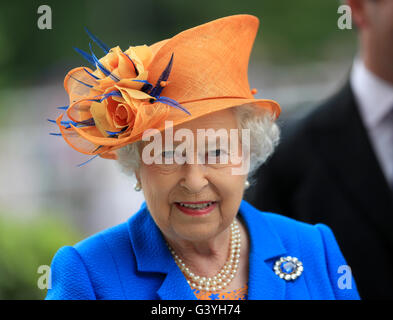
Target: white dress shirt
x=374 y=97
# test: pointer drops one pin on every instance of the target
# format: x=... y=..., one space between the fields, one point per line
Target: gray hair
x=264 y=137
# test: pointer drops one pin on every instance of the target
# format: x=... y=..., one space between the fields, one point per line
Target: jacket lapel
x=265 y=249
x=152 y=255
x=175 y=286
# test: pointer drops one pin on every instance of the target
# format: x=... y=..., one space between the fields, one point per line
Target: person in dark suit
x=335 y=165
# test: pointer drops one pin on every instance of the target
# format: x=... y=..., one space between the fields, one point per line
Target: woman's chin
x=195 y=231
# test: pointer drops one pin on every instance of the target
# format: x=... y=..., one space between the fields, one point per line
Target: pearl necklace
x=224 y=276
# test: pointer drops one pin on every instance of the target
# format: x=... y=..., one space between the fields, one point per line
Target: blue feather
x=97 y=148
x=82 y=164
x=116 y=132
x=87 y=123
x=110 y=94
x=111 y=133
x=102 y=45
x=64 y=123
x=135 y=68
x=143 y=81
x=101 y=67
x=146 y=87
x=55 y=134
x=87 y=85
x=163 y=77
x=90 y=74
x=92 y=157
x=63 y=108
x=67 y=123
x=86 y=56
x=172 y=103
x=50 y=120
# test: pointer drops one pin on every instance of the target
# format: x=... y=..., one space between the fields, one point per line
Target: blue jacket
x=132 y=261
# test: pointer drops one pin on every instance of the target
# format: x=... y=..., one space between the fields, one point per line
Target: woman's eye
x=168 y=154
x=215 y=153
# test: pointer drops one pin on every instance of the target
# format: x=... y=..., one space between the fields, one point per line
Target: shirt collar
x=369 y=89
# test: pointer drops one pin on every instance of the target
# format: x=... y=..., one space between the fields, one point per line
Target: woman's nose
x=194 y=179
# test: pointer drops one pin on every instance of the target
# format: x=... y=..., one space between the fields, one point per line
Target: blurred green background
x=291 y=31
x=299 y=58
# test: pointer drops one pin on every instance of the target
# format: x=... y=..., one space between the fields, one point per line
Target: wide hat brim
x=202 y=108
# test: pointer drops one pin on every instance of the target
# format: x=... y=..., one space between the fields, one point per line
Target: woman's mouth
x=196 y=208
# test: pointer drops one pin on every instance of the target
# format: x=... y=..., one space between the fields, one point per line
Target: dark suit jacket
x=325 y=170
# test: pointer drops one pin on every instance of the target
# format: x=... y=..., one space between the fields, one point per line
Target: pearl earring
x=247 y=184
x=138 y=187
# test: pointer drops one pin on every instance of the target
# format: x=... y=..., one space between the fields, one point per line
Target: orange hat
x=197 y=72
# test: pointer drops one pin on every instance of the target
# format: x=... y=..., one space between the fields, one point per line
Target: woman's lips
x=196 y=208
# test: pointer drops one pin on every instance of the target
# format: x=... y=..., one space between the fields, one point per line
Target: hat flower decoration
x=114 y=101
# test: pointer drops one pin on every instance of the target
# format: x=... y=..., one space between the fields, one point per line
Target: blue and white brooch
x=288 y=268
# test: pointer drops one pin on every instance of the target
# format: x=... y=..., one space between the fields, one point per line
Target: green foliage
x=24 y=246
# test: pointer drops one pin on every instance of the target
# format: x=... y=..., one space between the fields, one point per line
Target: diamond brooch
x=288 y=268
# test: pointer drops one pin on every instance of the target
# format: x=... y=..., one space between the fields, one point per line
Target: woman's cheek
x=230 y=192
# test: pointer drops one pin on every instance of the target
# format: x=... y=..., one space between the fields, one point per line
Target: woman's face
x=173 y=190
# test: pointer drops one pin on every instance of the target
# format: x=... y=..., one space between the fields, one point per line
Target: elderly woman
x=160 y=111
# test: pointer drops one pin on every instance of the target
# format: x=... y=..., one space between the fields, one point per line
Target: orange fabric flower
x=111 y=98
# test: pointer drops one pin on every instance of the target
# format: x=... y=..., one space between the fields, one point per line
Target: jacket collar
x=152 y=255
